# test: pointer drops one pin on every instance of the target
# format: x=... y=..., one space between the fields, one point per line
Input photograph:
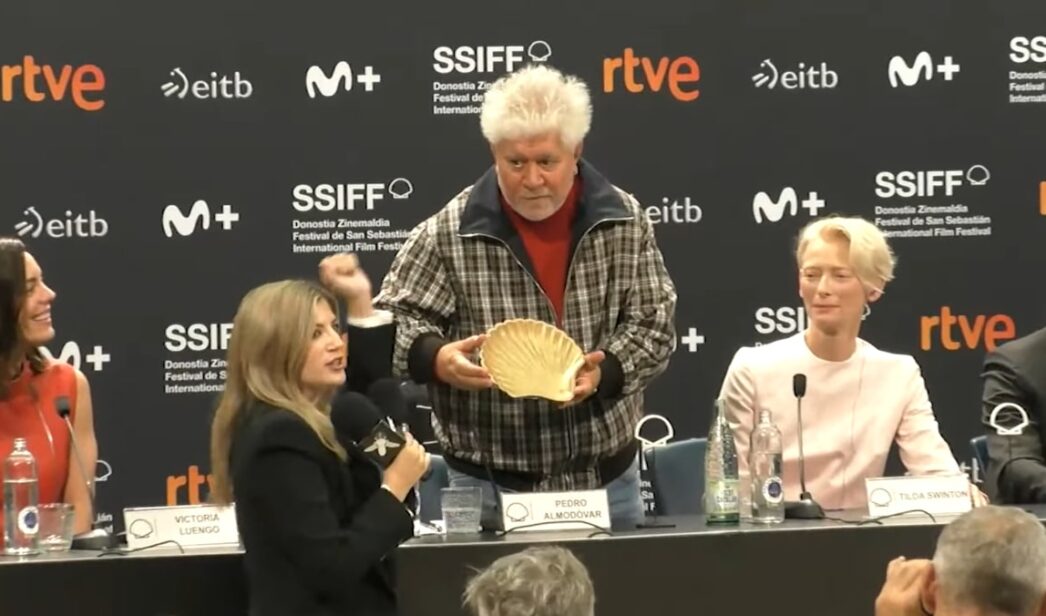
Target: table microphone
x=806 y=508
x=96 y=538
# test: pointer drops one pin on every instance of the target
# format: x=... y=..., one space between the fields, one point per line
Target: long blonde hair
x=270 y=338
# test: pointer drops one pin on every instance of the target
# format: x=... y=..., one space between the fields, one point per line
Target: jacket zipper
x=572 y=437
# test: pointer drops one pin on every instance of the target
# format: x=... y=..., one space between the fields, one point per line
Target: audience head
x=539 y=581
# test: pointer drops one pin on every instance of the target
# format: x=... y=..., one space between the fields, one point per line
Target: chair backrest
x=979 y=445
x=431 y=490
x=677 y=473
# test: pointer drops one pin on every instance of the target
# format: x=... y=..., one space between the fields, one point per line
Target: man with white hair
x=540 y=235
x=989 y=562
x=539 y=581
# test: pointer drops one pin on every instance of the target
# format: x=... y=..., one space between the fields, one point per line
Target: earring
x=867 y=312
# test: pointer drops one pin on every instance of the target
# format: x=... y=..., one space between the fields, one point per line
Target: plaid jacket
x=464 y=270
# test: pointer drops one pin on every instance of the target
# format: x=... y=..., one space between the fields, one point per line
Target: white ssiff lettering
x=337 y=197
x=489 y=59
x=783 y=320
x=198 y=337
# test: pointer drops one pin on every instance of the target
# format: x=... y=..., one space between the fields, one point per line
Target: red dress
x=29 y=412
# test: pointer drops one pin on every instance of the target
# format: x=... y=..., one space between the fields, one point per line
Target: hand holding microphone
x=407 y=469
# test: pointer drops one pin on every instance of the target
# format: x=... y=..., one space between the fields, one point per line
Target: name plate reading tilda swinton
x=188 y=525
x=555 y=510
x=943 y=494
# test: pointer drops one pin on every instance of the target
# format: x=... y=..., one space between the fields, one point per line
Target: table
x=812 y=568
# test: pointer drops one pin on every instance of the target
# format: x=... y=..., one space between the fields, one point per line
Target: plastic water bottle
x=764 y=465
x=21 y=518
x=722 y=502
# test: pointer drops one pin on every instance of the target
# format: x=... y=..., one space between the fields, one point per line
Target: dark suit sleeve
x=287 y=490
x=1016 y=465
x=370 y=355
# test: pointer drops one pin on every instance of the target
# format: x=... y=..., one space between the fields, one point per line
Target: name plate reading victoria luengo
x=189 y=525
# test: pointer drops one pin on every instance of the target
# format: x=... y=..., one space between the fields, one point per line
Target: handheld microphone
x=357 y=417
x=96 y=538
x=806 y=508
x=387 y=395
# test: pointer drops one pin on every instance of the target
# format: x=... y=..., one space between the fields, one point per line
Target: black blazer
x=320 y=534
x=1016 y=372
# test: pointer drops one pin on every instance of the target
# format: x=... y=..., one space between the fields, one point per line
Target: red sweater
x=548 y=245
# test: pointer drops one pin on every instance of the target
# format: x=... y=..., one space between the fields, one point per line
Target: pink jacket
x=853 y=410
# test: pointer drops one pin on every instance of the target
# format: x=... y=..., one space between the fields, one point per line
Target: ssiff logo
x=922 y=69
x=81 y=83
x=318 y=81
x=765 y=208
x=973 y=331
x=199 y=216
x=487 y=58
x=678 y=75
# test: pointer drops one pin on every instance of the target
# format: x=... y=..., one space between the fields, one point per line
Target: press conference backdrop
x=161 y=160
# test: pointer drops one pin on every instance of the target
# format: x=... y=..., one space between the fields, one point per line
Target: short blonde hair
x=871 y=257
x=534 y=101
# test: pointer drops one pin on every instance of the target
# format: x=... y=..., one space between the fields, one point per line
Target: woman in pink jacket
x=859 y=399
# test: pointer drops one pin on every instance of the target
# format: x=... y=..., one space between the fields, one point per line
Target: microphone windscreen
x=799 y=385
x=387 y=394
x=354 y=415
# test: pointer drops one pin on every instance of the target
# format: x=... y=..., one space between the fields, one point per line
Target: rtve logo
x=1024 y=49
x=80 y=83
x=175 y=221
x=972 y=330
x=675 y=74
x=763 y=207
x=191 y=481
x=487 y=59
x=197 y=337
x=345 y=197
x=72 y=355
x=900 y=72
x=327 y=85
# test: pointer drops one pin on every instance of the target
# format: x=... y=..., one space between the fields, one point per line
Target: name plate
x=944 y=494
x=189 y=525
x=555 y=510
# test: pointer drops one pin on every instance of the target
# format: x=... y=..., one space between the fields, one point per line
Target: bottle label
x=725 y=498
x=28 y=520
x=773 y=491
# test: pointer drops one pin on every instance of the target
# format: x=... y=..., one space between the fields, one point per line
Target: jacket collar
x=599 y=202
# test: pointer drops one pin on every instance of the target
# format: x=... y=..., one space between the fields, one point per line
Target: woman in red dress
x=31 y=384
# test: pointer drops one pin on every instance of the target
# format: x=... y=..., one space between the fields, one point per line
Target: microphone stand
x=806 y=508
x=96 y=538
